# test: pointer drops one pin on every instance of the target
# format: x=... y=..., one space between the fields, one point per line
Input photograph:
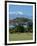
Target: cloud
x=18 y=12
x=12 y=12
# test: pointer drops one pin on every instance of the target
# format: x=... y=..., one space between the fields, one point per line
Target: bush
x=25 y=29
x=11 y=30
x=30 y=29
x=19 y=28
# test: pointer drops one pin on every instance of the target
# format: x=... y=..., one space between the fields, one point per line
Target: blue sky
x=20 y=11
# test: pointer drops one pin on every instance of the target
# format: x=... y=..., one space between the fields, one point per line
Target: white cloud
x=12 y=12
x=18 y=12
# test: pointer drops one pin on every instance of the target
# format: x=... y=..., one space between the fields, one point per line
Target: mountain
x=14 y=16
x=20 y=19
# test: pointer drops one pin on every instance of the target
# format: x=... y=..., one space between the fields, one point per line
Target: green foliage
x=12 y=30
x=30 y=28
x=19 y=28
x=23 y=19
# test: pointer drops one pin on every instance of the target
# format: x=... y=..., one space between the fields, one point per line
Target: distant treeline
x=23 y=19
x=20 y=28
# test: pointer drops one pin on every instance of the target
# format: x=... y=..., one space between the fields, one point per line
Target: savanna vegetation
x=20 y=32
x=20 y=28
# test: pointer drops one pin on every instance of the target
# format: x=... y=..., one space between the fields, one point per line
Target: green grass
x=20 y=36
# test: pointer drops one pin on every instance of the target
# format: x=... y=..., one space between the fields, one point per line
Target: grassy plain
x=20 y=36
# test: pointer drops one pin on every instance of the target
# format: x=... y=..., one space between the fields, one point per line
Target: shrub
x=30 y=29
x=11 y=30
x=19 y=28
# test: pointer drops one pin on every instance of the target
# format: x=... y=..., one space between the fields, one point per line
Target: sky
x=20 y=11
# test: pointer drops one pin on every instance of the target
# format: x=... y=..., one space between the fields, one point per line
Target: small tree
x=30 y=28
x=19 y=28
